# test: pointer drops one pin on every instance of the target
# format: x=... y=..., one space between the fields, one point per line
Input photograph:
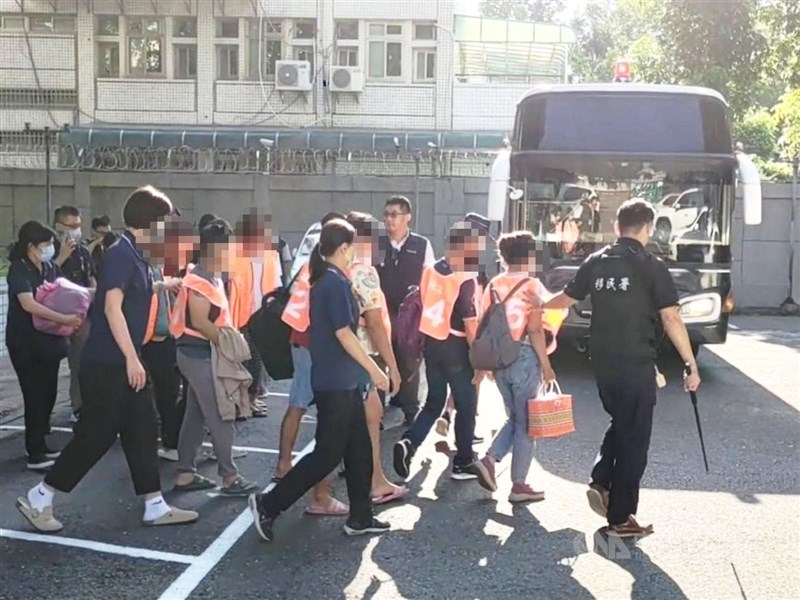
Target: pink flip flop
x=334 y=509
x=399 y=493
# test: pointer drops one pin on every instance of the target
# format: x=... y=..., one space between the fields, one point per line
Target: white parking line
x=184 y=585
x=128 y=551
x=253 y=449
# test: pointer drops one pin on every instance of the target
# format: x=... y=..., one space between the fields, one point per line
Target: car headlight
x=704 y=308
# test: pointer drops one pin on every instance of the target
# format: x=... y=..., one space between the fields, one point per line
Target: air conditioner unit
x=293 y=75
x=347 y=79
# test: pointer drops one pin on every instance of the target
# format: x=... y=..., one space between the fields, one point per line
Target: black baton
x=693 y=395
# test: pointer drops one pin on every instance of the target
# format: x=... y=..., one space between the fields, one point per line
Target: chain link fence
x=429 y=163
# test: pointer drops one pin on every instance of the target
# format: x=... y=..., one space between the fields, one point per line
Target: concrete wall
x=761 y=254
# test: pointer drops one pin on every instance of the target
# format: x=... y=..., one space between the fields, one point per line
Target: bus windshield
x=575 y=216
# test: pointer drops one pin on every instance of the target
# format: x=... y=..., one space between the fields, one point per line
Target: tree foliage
x=787 y=113
x=522 y=10
x=756 y=131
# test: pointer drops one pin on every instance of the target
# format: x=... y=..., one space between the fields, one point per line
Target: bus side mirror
x=498 y=187
x=751 y=189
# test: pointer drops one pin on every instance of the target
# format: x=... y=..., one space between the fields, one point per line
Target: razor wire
x=186 y=159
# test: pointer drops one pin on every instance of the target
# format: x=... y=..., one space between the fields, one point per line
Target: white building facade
x=245 y=63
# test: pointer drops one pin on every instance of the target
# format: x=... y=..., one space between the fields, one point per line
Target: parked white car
x=303 y=252
x=677 y=213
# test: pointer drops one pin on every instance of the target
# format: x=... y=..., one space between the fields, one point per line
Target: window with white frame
x=265 y=51
x=423 y=40
x=145 y=47
x=385 y=50
x=424 y=65
x=185 y=61
x=107 y=35
x=227 y=28
x=304 y=29
x=184 y=27
x=108 y=64
x=227 y=62
x=12 y=23
x=52 y=24
x=347 y=43
x=302 y=36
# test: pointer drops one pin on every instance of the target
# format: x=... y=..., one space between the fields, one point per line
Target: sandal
x=240 y=487
x=335 y=508
x=198 y=483
x=398 y=493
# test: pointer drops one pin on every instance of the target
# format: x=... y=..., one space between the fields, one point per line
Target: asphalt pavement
x=729 y=534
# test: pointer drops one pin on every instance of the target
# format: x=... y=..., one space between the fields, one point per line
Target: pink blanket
x=65 y=297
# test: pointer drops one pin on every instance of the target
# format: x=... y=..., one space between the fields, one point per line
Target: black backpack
x=271 y=335
x=494 y=348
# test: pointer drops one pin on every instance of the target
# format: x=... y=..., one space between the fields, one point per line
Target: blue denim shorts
x=300 y=394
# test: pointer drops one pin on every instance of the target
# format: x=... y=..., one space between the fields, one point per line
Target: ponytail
x=316 y=265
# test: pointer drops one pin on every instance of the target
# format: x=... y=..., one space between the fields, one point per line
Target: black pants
x=407 y=398
x=160 y=362
x=38 y=380
x=628 y=391
x=110 y=408
x=341 y=433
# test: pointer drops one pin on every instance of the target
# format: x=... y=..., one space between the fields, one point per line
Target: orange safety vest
x=215 y=294
x=297 y=313
x=242 y=288
x=153 y=315
x=387 y=322
x=517 y=309
x=439 y=294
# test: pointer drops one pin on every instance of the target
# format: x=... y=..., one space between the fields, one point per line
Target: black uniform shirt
x=628 y=286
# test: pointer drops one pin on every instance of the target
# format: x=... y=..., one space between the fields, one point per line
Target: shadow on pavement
x=751 y=435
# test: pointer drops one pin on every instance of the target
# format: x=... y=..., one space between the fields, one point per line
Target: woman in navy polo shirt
x=341 y=423
x=35 y=356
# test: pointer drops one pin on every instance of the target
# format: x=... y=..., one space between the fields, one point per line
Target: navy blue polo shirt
x=124 y=268
x=333 y=307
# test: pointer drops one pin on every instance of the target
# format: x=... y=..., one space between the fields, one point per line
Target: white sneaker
x=169 y=454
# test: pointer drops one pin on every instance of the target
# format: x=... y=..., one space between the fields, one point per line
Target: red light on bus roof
x=622 y=69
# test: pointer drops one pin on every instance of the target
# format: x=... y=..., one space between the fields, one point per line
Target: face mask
x=48 y=253
x=75 y=234
x=351 y=258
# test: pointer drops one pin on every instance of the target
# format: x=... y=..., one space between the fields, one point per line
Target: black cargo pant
x=159 y=359
x=627 y=389
x=110 y=408
x=341 y=433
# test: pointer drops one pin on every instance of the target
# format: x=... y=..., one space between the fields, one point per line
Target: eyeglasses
x=391 y=214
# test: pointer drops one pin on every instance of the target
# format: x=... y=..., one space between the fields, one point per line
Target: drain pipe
x=789 y=305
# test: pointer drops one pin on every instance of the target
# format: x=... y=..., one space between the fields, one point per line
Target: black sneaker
x=352 y=527
x=403 y=452
x=477 y=439
x=463 y=472
x=40 y=462
x=52 y=453
x=262 y=521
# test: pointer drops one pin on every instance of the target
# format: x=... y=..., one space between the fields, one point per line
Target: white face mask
x=47 y=253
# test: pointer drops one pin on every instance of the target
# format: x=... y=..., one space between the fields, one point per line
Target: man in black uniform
x=630 y=289
x=406 y=255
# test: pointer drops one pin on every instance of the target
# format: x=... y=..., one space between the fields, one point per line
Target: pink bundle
x=65 y=297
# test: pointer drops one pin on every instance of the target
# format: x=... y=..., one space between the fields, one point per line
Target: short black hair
x=205 y=220
x=363 y=223
x=252 y=224
x=331 y=216
x=99 y=222
x=31 y=233
x=516 y=247
x=65 y=211
x=401 y=201
x=144 y=207
x=635 y=214
x=218 y=231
